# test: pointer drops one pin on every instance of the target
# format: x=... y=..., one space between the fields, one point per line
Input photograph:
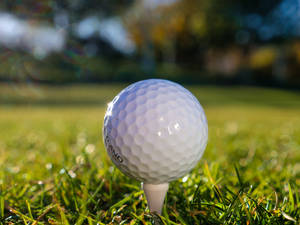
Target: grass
x=54 y=169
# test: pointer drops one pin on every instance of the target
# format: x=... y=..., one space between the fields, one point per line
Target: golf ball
x=155 y=131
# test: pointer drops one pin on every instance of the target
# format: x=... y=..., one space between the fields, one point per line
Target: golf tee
x=155 y=195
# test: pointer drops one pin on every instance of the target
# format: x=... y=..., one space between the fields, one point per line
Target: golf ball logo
x=155 y=131
x=111 y=150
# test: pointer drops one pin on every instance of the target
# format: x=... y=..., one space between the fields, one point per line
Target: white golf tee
x=155 y=195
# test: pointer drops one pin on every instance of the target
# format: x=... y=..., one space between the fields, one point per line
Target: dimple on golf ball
x=155 y=131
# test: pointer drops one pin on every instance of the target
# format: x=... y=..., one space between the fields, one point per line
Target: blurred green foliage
x=210 y=41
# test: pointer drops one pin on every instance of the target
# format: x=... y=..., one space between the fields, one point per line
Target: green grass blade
x=291 y=197
x=29 y=209
x=238 y=175
x=2 y=207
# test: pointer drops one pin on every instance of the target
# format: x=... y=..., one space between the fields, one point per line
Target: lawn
x=54 y=168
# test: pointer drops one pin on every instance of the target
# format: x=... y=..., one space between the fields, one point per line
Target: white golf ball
x=155 y=131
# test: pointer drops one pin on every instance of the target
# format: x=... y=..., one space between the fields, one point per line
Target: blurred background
x=247 y=42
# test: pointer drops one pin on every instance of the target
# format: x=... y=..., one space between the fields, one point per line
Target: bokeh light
x=183 y=40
